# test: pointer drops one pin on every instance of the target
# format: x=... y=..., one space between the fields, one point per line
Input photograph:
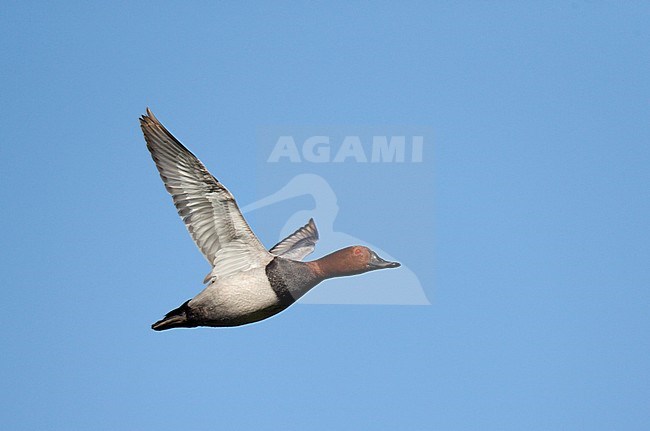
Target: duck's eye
x=357 y=251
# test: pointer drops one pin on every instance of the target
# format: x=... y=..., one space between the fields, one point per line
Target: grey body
x=249 y=297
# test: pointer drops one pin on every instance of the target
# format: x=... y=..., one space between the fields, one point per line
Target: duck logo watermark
x=341 y=176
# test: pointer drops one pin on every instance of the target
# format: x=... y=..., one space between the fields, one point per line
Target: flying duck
x=247 y=283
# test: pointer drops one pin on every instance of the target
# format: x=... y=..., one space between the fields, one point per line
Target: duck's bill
x=377 y=262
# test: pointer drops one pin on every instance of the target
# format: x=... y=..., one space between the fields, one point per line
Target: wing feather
x=299 y=244
x=207 y=208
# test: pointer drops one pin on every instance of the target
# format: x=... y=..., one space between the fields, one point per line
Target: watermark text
x=321 y=149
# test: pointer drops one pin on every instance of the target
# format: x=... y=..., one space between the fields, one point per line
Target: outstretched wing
x=299 y=244
x=207 y=208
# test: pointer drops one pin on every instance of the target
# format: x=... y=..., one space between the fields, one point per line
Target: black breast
x=289 y=279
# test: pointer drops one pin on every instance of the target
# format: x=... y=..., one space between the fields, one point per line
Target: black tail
x=178 y=318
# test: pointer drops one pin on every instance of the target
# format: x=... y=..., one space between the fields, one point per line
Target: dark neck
x=290 y=279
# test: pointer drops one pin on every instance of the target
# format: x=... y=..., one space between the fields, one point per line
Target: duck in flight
x=247 y=283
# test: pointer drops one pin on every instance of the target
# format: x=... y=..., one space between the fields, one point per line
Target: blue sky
x=526 y=223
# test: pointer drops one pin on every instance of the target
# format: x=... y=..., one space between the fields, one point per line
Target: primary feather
x=207 y=208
